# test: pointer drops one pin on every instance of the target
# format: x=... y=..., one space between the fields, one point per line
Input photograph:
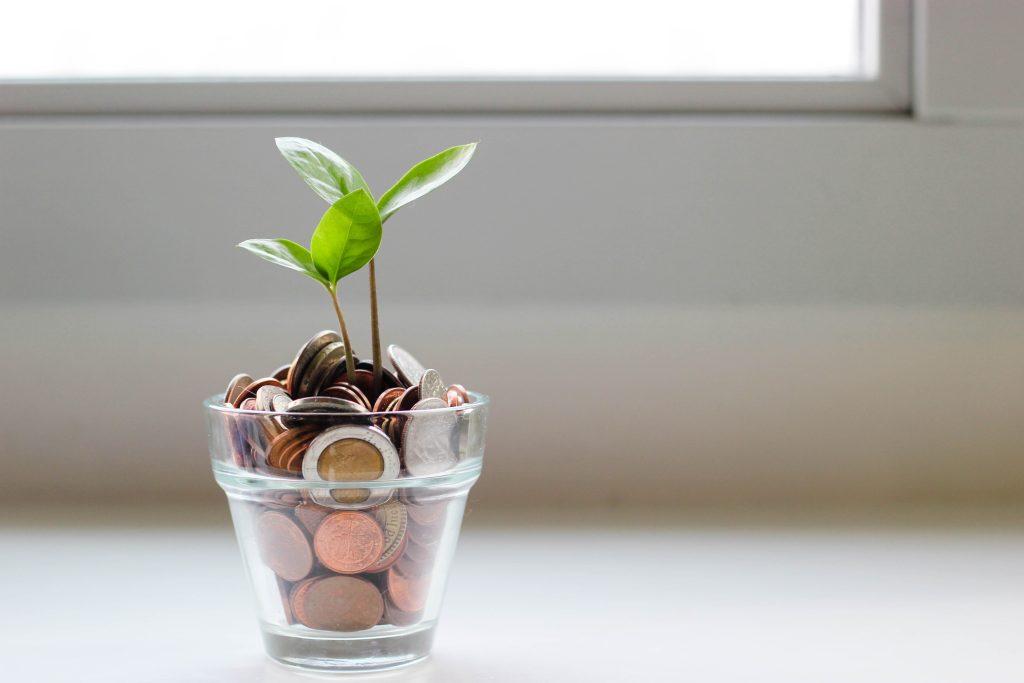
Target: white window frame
x=888 y=91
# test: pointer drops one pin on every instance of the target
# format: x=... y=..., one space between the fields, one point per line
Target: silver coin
x=235 y=386
x=321 y=367
x=265 y=396
x=408 y=368
x=279 y=403
x=431 y=385
x=429 y=441
x=370 y=497
x=306 y=354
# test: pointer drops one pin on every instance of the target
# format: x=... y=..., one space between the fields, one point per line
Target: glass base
x=322 y=651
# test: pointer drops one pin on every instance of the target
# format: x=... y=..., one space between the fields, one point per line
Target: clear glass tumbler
x=347 y=551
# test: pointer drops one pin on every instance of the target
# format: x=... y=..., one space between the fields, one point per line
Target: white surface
x=649 y=600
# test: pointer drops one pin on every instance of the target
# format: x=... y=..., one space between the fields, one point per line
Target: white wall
x=665 y=309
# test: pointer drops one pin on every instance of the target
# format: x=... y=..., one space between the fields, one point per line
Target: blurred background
x=731 y=252
x=709 y=255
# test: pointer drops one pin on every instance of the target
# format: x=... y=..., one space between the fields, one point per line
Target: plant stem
x=350 y=361
x=378 y=368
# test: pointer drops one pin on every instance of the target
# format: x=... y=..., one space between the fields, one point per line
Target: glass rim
x=215 y=403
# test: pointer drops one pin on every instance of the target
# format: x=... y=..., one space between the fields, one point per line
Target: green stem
x=378 y=368
x=350 y=361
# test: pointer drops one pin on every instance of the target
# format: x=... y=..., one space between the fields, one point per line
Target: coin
x=427 y=440
x=281 y=374
x=310 y=515
x=348 y=542
x=386 y=397
x=393 y=520
x=408 y=594
x=408 y=368
x=235 y=386
x=460 y=391
x=250 y=390
x=301 y=409
x=351 y=453
x=347 y=391
x=340 y=603
x=265 y=396
x=398 y=617
x=297 y=598
x=409 y=398
x=431 y=385
x=363 y=379
x=427 y=513
x=305 y=354
x=283 y=546
x=284 y=444
x=388 y=378
x=417 y=552
x=323 y=365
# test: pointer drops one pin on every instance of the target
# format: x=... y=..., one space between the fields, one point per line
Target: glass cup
x=347 y=523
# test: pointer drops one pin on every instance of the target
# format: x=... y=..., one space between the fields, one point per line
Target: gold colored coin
x=350 y=460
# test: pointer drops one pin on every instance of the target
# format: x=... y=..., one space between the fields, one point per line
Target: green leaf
x=285 y=253
x=325 y=172
x=425 y=176
x=347 y=237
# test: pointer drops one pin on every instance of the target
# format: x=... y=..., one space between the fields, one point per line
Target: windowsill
x=933 y=598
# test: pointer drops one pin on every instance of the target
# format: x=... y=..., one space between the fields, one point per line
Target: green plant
x=335 y=180
x=345 y=239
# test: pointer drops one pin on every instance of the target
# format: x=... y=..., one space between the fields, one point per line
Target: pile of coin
x=346 y=558
x=324 y=430
x=349 y=570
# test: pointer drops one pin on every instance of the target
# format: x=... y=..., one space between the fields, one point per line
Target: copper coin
x=235 y=386
x=297 y=597
x=408 y=594
x=341 y=603
x=453 y=398
x=305 y=354
x=347 y=391
x=410 y=397
x=398 y=617
x=388 y=379
x=284 y=441
x=425 y=534
x=283 y=546
x=362 y=379
x=293 y=459
x=348 y=542
x=281 y=374
x=386 y=398
x=250 y=390
x=414 y=569
x=427 y=513
x=393 y=519
x=418 y=553
x=461 y=391
x=310 y=515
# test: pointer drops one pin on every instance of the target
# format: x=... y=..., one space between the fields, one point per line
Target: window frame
x=889 y=90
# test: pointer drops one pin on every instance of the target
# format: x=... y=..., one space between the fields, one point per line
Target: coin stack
x=350 y=570
x=347 y=559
